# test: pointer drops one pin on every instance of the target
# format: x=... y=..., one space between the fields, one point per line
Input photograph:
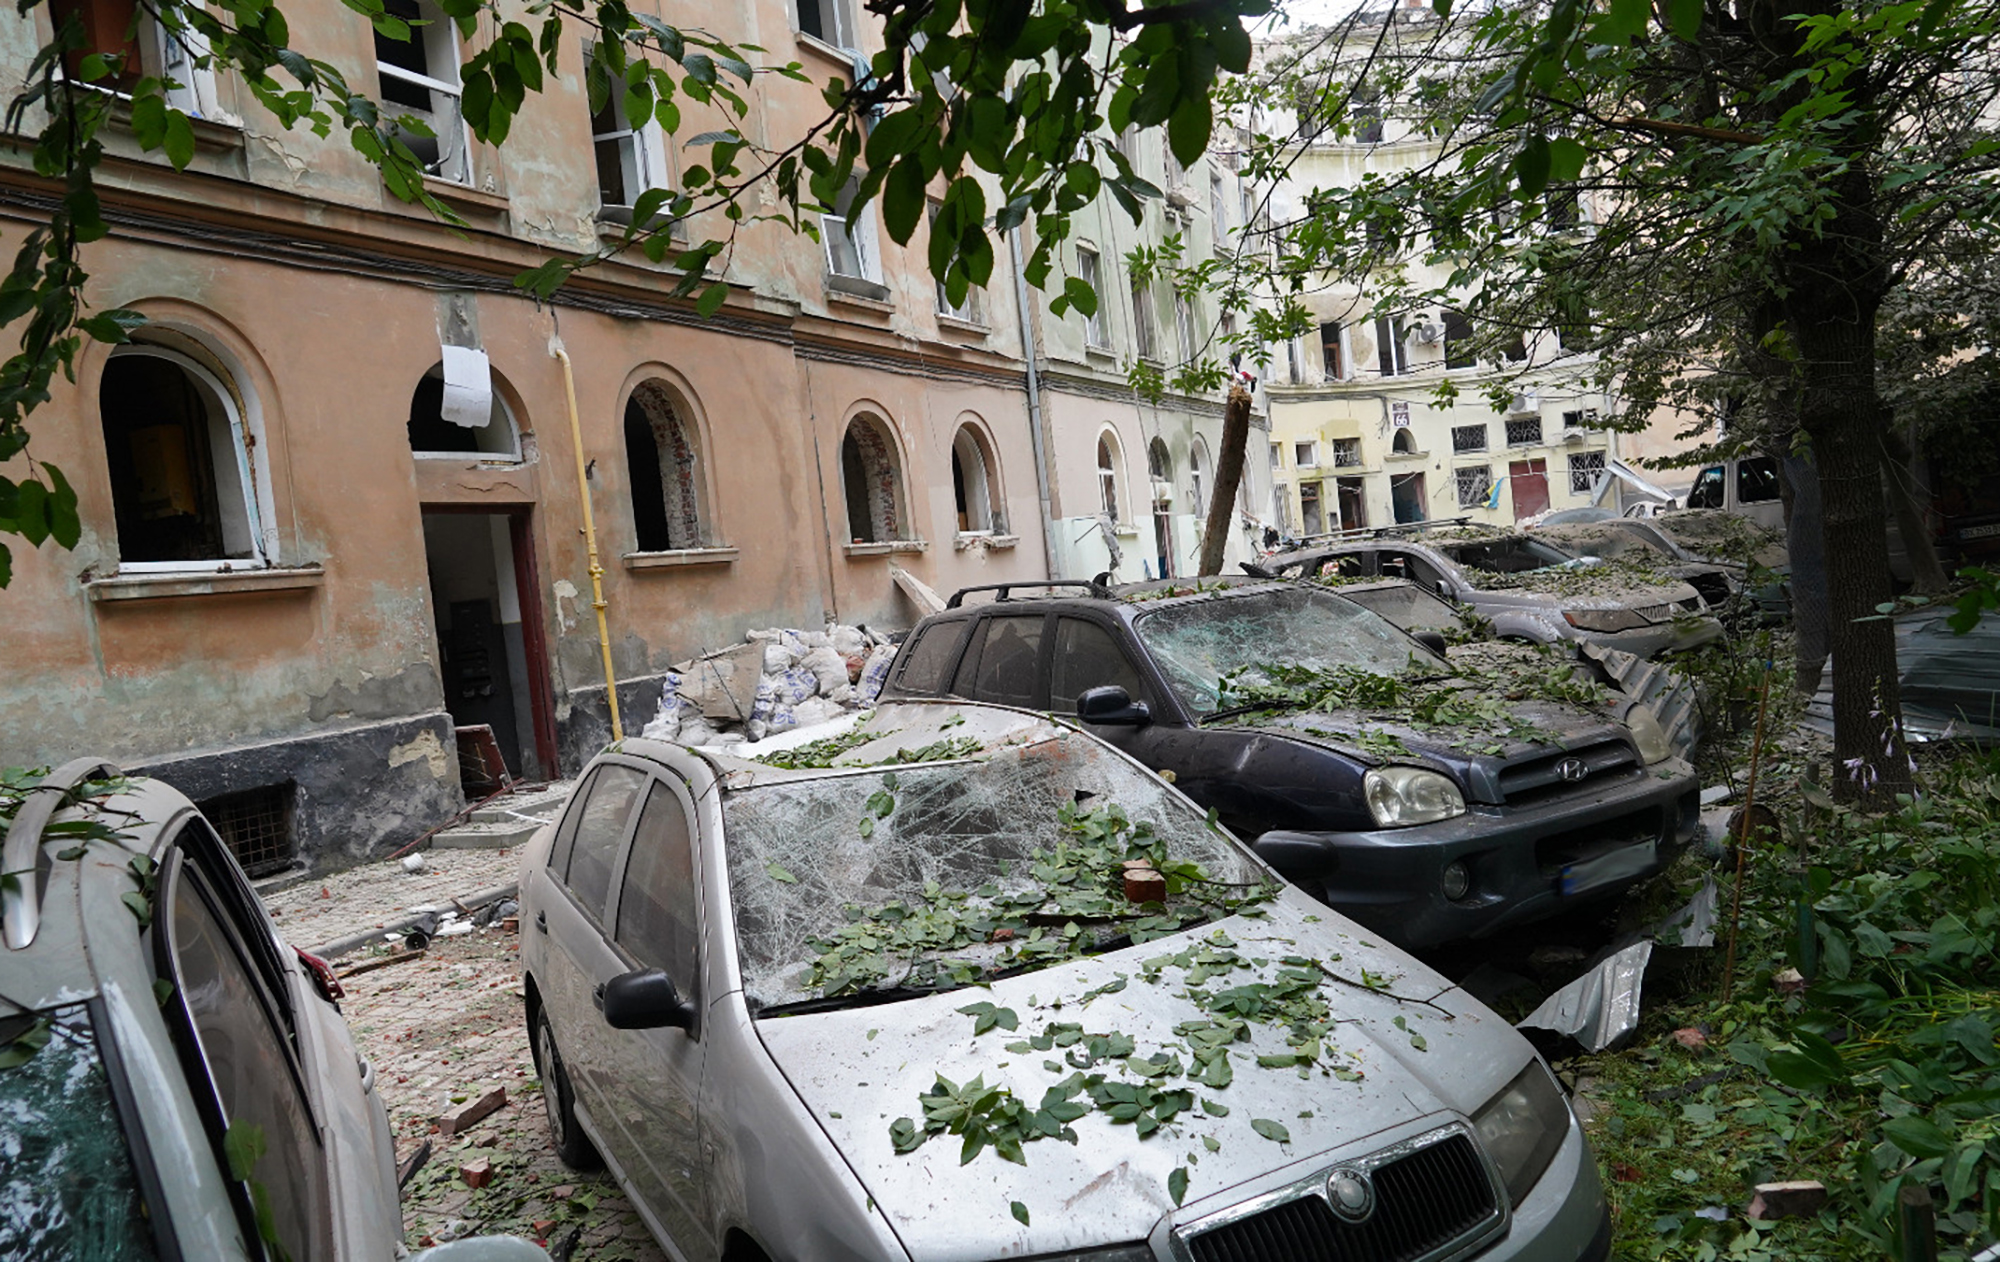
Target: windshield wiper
x=854 y=999
x=1276 y=703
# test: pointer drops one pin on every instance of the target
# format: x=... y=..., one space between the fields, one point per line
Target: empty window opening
x=1352 y=504
x=825 y=20
x=1145 y=335
x=1160 y=465
x=1306 y=455
x=420 y=78
x=1404 y=443
x=1393 y=357
x=432 y=435
x=1329 y=351
x=1088 y=271
x=872 y=481
x=256 y=825
x=630 y=158
x=1458 y=352
x=1198 y=505
x=180 y=471
x=661 y=461
x=972 y=484
x=1107 y=475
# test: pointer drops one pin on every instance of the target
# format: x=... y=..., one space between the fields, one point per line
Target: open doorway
x=1353 y=508
x=489 y=634
x=1406 y=495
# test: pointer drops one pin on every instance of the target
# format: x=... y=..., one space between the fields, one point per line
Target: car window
x=1756 y=480
x=243 y=1053
x=1409 y=607
x=923 y=659
x=1516 y=554
x=656 y=918
x=71 y=1192
x=1344 y=565
x=1087 y=656
x=1002 y=663
x=559 y=852
x=599 y=832
x=1410 y=566
x=1708 y=489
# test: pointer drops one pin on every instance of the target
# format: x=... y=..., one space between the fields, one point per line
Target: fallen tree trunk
x=1228 y=475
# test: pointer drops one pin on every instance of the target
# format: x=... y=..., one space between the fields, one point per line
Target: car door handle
x=542 y=921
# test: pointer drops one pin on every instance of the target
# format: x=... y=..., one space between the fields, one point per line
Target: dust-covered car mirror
x=1111 y=706
x=1432 y=640
x=645 y=999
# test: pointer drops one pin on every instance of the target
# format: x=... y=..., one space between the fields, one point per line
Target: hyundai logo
x=1351 y=1194
x=1572 y=769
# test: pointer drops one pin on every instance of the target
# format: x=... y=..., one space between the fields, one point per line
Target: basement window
x=256 y=825
x=182 y=484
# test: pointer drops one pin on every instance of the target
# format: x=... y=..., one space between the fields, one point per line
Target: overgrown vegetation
x=1870 y=1066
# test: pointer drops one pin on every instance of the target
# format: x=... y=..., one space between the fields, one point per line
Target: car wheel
x=571 y=1144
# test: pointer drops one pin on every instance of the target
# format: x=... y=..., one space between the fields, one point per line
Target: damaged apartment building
x=331 y=493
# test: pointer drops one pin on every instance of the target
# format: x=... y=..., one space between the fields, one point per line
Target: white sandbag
x=778 y=657
x=842 y=696
x=794 y=686
x=875 y=674
x=696 y=731
x=828 y=667
x=816 y=710
x=665 y=725
x=847 y=641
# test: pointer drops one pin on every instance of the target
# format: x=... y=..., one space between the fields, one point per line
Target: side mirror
x=1444 y=588
x=1299 y=856
x=644 y=999
x=1111 y=706
x=1253 y=569
x=1432 y=640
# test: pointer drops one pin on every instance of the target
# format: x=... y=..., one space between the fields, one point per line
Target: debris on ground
x=776 y=680
x=1797 y=1198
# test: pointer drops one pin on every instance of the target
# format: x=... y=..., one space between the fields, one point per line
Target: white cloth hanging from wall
x=468 y=387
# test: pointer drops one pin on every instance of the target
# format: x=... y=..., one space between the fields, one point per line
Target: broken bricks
x=472 y=1114
x=476 y=1173
x=1144 y=883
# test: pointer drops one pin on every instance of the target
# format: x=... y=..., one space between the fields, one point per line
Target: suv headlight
x=1648 y=735
x=1523 y=1127
x=1398 y=796
x=1605 y=620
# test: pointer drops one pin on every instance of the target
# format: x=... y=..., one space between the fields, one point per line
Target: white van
x=1744 y=485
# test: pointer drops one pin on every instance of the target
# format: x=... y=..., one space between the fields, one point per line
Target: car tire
x=572 y=1146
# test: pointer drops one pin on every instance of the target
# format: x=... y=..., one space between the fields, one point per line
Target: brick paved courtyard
x=442 y=1031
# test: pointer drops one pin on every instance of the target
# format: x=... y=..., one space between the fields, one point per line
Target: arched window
x=1107 y=474
x=1404 y=443
x=1161 y=466
x=1158 y=462
x=432 y=435
x=1197 y=465
x=660 y=460
x=873 y=482
x=182 y=487
x=972 y=484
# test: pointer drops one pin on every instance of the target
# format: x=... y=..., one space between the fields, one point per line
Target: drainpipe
x=1034 y=406
x=589 y=534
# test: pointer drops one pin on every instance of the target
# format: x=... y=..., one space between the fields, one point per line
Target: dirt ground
x=443 y=1031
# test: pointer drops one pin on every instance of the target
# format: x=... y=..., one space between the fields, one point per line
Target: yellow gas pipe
x=589 y=536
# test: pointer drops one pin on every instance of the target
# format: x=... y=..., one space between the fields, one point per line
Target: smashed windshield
x=1408 y=606
x=67 y=1188
x=1208 y=646
x=1608 y=541
x=1514 y=554
x=849 y=886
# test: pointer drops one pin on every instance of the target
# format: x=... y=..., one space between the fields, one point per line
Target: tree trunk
x=1912 y=523
x=1228 y=475
x=1805 y=547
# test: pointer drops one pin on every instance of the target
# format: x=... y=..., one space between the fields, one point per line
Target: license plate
x=1608 y=868
x=1980 y=532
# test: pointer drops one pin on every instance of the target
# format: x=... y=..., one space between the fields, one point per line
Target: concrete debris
x=473 y=1114
x=1799 y=1198
x=415 y=863
x=777 y=680
x=1788 y=981
x=1691 y=1038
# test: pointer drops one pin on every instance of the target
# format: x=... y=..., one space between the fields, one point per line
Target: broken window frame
x=437 y=36
x=1346 y=453
x=1474 y=484
x=249 y=477
x=1109 y=454
x=859 y=238
x=1090 y=269
x=642 y=150
x=967 y=312
x=174 y=56
x=879 y=477
x=831 y=16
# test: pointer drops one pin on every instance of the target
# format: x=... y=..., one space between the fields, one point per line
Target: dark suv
x=1467 y=813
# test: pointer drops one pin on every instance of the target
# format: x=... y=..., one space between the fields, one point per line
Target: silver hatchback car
x=175 y=1081
x=961 y=982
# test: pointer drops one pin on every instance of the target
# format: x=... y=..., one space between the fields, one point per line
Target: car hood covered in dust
x=860 y=1069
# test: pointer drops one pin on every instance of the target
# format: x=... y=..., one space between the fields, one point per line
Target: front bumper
x=1392 y=879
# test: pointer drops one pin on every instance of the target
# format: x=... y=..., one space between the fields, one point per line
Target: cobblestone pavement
x=324 y=909
x=443 y=1030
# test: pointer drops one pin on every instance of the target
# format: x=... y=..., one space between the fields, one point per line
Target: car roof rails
x=1092 y=587
x=1418 y=527
x=21 y=857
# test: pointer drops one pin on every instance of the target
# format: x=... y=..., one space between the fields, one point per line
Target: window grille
x=1585 y=470
x=256 y=825
x=1524 y=431
x=1468 y=438
x=1474 y=485
x=1346 y=452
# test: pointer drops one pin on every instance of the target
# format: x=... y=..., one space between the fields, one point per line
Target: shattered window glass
x=800 y=854
x=1408 y=606
x=1594 y=539
x=1195 y=645
x=1516 y=555
x=68 y=1192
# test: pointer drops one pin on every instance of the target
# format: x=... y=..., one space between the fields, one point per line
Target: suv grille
x=1540 y=778
x=1425 y=1202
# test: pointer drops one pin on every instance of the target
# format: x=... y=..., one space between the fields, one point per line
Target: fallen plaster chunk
x=1799 y=1198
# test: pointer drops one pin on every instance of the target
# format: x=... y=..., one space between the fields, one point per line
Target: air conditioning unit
x=1180 y=196
x=1428 y=332
x=1526 y=403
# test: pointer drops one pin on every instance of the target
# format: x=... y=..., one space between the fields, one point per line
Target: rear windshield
x=68 y=1190
x=1593 y=539
x=1206 y=647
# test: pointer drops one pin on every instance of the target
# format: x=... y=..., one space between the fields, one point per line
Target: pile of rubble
x=776 y=680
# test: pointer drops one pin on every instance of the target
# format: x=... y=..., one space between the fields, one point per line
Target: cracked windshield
x=921 y=878
x=1209 y=646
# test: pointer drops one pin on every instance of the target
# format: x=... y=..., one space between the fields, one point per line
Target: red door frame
x=1520 y=472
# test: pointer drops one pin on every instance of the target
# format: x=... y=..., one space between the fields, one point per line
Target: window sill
x=885 y=549
x=854 y=291
x=981 y=539
x=840 y=58
x=210 y=135
x=1395 y=456
x=615 y=219
x=482 y=459
x=1101 y=352
x=958 y=324
x=679 y=557
x=467 y=198
x=163 y=586
x=1126 y=532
